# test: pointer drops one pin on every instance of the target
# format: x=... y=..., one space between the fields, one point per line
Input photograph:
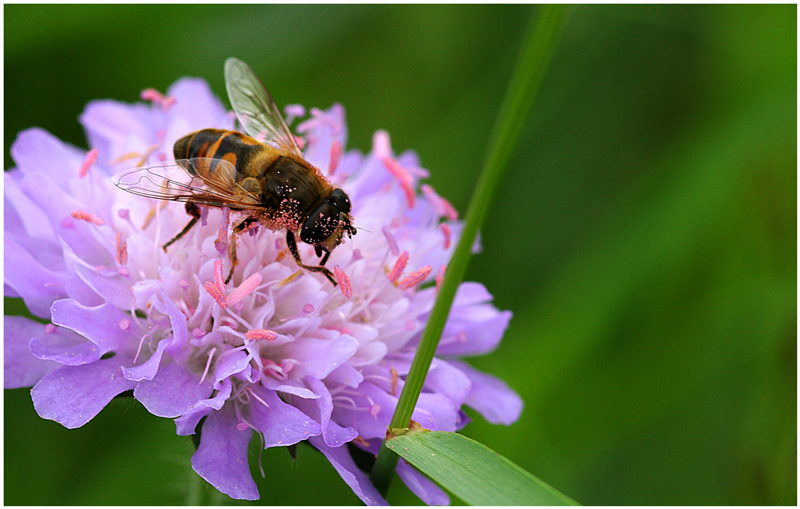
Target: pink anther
x=441 y=205
x=447 y=234
x=216 y=294
x=415 y=277
x=122 y=249
x=260 y=334
x=336 y=155
x=399 y=266
x=244 y=289
x=403 y=178
x=124 y=324
x=344 y=282
x=90 y=159
x=49 y=328
x=390 y=240
x=88 y=217
x=218 y=275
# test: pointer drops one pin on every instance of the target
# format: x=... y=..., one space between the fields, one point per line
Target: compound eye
x=320 y=224
x=340 y=199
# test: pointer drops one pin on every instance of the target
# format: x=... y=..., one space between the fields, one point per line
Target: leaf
x=470 y=470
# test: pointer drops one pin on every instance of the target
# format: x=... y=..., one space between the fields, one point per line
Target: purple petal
x=473 y=330
x=221 y=458
x=321 y=408
x=419 y=484
x=105 y=326
x=34 y=222
x=21 y=369
x=38 y=286
x=293 y=387
x=318 y=357
x=115 y=129
x=196 y=107
x=64 y=347
x=491 y=397
x=73 y=395
x=180 y=332
x=172 y=391
x=357 y=480
x=280 y=424
x=148 y=369
x=36 y=150
x=231 y=364
x=345 y=374
x=188 y=421
x=108 y=284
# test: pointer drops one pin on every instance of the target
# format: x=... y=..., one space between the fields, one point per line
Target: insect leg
x=290 y=241
x=194 y=211
x=244 y=225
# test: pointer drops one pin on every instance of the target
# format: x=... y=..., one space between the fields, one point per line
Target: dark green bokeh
x=645 y=236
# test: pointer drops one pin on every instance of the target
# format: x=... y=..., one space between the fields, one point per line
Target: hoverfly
x=270 y=181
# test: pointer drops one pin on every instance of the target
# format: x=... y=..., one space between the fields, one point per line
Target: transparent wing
x=202 y=180
x=255 y=108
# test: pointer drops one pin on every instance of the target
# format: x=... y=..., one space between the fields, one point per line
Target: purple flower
x=278 y=351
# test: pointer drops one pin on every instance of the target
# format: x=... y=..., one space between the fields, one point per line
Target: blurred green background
x=644 y=237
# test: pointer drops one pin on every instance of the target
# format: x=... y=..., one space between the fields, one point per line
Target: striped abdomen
x=231 y=146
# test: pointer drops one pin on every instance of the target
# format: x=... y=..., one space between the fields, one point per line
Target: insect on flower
x=269 y=181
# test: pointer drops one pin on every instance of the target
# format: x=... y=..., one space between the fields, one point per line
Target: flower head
x=278 y=351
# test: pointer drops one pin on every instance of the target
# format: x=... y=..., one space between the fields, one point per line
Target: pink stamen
x=242 y=426
x=336 y=155
x=124 y=213
x=222 y=235
x=381 y=146
x=403 y=177
x=300 y=142
x=257 y=334
x=390 y=240
x=308 y=308
x=152 y=95
x=123 y=271
x=344 y=282
x=183 y=284
x=216 y=294
x=374 y=410
x=440 y=277
x=399 y=266
x=161 y=156
x=49 y=328
x=122 y=249
x=415 y=277
x=91 y=157
x=155 y=96
x=244 y=289
x=198 y=332
x=442 y=206
x=218 y=275
x=447 y=234
x=88 y=217
x=124 y=324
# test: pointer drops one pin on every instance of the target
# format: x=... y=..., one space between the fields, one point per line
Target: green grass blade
x=471 y=471
x=535 y=54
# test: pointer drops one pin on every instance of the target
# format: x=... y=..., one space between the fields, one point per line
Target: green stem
x=537 y=48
